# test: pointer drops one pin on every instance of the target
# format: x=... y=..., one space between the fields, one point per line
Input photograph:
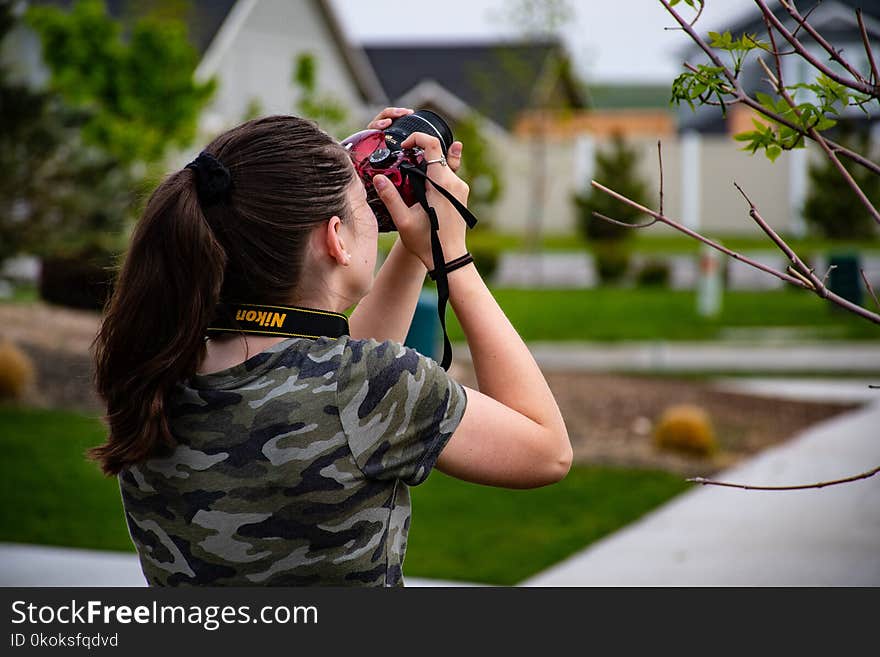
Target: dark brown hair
x=287 y=177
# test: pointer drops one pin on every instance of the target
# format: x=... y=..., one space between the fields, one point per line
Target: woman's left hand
x=384 y=118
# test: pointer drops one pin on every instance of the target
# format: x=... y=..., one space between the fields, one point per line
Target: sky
x=609 y=40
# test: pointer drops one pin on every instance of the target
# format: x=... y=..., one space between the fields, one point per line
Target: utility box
x=844 y=279
x=424 y=332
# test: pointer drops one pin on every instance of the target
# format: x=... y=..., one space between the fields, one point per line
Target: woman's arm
x=386 y=312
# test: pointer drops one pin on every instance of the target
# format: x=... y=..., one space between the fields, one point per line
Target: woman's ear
x=335 y=243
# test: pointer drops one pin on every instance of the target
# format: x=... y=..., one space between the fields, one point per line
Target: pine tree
x=831 y=208
x=616 y=167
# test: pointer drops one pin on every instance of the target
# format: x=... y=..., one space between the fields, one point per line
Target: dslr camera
x=379 y=151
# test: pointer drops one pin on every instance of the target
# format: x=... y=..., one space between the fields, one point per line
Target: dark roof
x=202 y=17
x=496 y=79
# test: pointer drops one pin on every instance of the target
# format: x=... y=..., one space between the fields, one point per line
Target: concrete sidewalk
x=714 y=536
x=731 y=356
x=40 y=565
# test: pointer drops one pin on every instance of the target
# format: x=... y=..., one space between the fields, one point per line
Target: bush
x=612 y=261
x=486 y=260
x=76 y=282
x=685 y=428
x=16 y=371
x=654 y=273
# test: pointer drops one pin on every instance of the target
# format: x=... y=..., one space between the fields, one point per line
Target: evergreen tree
x=831 y=208
x=616 y=167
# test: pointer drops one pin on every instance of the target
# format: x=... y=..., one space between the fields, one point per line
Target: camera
x=378 y=151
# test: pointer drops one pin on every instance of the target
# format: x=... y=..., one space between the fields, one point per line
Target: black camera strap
x=278 y=321
x=418 y=176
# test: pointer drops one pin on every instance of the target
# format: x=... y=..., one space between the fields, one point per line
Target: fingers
x=429 y=144
x=454 y=156
x=384 y=118
x=391 y=198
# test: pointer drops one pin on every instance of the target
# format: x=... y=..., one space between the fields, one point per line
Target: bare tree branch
x=814 y=286
x=821 y=484
x=875 y=76
x=660 y=158
x=831 y=268
x=868 y=287
x=857 y=82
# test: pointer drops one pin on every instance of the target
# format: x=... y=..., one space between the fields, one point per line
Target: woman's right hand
x=411 y=222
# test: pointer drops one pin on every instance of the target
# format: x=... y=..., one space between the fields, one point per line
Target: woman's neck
x=226 y=352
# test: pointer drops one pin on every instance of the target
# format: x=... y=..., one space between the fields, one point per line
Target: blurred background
x=668 y=360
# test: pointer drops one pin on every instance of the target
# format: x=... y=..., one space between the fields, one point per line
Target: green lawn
x=49 y=494
x=466 y=532
x=616 y=314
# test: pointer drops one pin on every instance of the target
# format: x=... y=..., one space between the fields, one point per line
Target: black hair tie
x=213 y=179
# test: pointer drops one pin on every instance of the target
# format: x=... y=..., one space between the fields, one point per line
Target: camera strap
x=418 y=176
x=277 y=321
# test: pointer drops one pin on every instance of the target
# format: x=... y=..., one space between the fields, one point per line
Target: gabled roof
x=497 y=79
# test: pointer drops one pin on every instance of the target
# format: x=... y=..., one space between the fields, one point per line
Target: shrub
x=76 y=282
x=486 y=260
x=612 y=261
x=16 y=371
x=654 y=273
x=685 y=428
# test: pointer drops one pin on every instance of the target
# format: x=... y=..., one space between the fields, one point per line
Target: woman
x=260 y=460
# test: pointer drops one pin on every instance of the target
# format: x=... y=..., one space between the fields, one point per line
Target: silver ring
x=441 y=160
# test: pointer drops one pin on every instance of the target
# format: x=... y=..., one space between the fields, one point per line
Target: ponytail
x=242 y=235
x=152 y=335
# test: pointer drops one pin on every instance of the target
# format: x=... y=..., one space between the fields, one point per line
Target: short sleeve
x=398 y=409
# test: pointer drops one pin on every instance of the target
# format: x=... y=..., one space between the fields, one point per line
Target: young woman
x=260 y=460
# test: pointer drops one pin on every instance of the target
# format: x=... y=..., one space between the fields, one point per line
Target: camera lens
x=420 y=121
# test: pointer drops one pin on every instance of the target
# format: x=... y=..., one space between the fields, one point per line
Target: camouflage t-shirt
x=293 y=467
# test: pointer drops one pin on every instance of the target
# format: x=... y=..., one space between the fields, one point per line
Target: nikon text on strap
x=278 y=321
x=418 y=177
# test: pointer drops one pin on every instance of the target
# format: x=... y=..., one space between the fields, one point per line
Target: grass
x=22 y=293
x=49 y=494
x=618 y=314
x=466 y=532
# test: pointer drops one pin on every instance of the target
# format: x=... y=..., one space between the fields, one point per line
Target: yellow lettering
x=278 y=319
x=240 y=314
x=251 y=315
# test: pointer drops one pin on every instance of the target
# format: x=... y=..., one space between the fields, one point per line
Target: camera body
x=379 y=151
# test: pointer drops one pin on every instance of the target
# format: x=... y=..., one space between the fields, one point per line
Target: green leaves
x=138 y=92
x=700 y=86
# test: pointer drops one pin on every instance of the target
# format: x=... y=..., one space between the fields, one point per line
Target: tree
x=535 y=21
x=479 y=167
x=323 y=108
x=842 y=215
x=54 y=193
x=617 y=164
x=139 y=91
